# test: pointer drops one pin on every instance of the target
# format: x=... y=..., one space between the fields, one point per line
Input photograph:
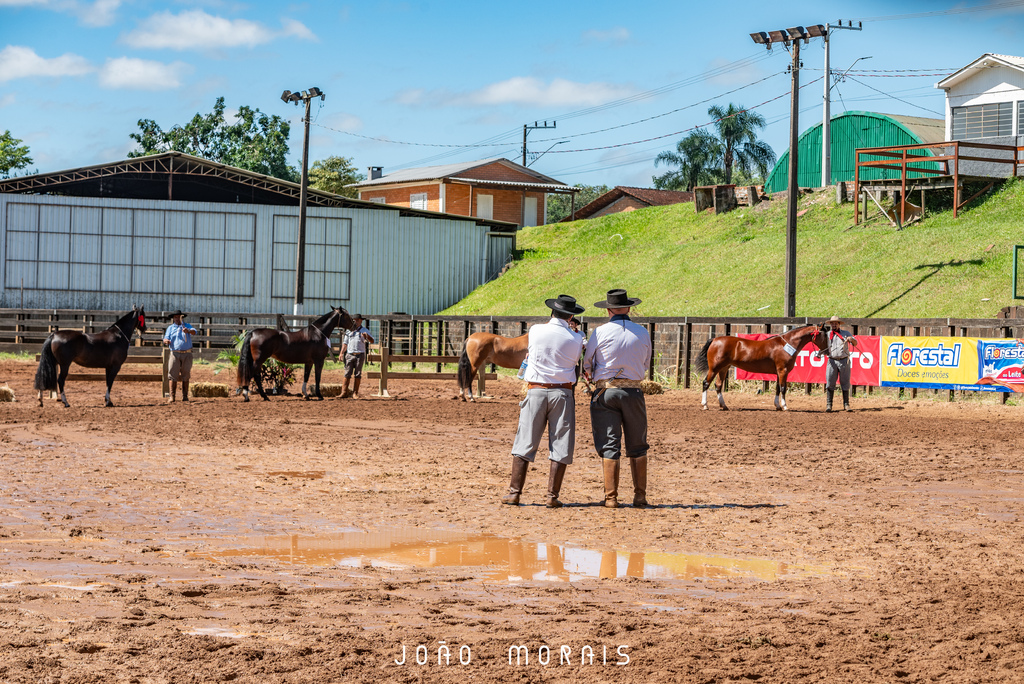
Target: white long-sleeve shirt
x=618 y=349
x=554 y=349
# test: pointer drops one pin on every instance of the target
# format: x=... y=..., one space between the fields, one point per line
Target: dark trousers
x=617 y=413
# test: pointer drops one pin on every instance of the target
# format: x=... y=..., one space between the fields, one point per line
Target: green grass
x=681 y=263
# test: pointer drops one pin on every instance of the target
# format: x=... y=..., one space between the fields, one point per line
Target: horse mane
x=122 y=319
x=323 y=319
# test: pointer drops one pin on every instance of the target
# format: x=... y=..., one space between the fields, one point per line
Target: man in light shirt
x=353 y=351
x=838 y=367
x=178 y=337
x=553 y=352
x=618 y=356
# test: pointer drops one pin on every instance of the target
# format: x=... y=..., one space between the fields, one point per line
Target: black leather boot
x=829 y=393
x=846 y=400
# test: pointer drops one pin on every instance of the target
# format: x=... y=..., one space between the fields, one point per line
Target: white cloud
x=525 y=90
x=129 y=73
x=195 y=29
x=17 y=61
x=99 y=13
x=617 y=35
x=21 y=3
x=7 y=100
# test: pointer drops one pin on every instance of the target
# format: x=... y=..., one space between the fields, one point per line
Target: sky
x=421 y=83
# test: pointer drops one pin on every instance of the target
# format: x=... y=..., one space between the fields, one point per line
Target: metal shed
x=172 y=230
x=850 y=131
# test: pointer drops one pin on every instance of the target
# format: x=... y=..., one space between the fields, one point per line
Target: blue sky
x=405 y=79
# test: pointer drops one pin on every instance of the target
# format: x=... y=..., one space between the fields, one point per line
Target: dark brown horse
x=777 y=354
x=483 y=348
x=107 y=349
x=310 y=347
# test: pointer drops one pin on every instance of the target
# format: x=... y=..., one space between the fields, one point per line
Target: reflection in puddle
x=502 y=558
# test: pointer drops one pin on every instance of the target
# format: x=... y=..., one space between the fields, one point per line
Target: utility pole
x=300 y=260
x=527 y=128
x=826 y=121
x=787 y=37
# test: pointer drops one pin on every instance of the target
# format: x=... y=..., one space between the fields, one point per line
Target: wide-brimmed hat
x=564 y=304
x=179 y=313
x=618 y=299
x=835 y=320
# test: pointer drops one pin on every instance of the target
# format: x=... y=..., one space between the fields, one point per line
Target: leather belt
x=182 y=351
x=618 y=382
x=549 y=385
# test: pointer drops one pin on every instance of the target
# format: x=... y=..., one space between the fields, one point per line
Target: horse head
x=140 y=318
x=344 y=319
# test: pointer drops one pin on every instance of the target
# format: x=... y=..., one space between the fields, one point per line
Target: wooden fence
x=676 y=340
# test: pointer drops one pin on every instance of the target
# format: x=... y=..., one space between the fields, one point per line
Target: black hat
x=618 y=299
x=179 y=313
x=564 y=304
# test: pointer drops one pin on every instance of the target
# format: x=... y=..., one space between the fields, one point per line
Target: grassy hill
x=681 y=263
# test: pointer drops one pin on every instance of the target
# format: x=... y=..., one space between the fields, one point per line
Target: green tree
x=560 y=206
x=13 y=155
x=703 y=158
x=737 y=131
x=333 y=174
x=254 y=141
x=698 y=157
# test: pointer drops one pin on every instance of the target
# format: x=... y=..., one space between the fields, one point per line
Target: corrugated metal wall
x=82 y=253
x=849 y=132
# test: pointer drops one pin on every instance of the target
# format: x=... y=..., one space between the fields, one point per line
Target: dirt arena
x=293 y=541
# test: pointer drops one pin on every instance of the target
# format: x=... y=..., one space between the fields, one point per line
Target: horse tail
x=702 y=358
x=46 y=374
x=245 y=362
x=465 y=368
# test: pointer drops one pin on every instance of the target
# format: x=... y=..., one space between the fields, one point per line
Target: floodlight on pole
x=300 y=259
x=791 y=36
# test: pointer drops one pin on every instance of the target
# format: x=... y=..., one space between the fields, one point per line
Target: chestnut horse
x=309 y=347
x=107 y=350
x=776 y=354
x=482 y=348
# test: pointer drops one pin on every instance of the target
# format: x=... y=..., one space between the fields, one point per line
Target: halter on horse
x=310 y=347
x=107 y=349
x=777 y=354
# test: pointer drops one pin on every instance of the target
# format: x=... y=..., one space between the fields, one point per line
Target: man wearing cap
x=618 y=356
x=353 y=350
x=552 y=354
x=178 y=337
x=838 y=354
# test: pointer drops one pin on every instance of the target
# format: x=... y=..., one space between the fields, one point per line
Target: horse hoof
x=266 y=398
x=109 y=405
x=703 y=407
x=725 y=408
x=246 y=399
x=306 y=397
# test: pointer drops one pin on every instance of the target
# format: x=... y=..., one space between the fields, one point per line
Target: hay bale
x=6 y=394
x=650 y=387
x=330 y=390
x=209 y=389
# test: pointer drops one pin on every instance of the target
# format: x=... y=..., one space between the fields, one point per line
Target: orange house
x=495 y=189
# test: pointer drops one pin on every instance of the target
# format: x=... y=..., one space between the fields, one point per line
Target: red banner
x=863 y=363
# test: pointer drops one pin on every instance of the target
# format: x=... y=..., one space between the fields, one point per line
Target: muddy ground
x=294 y=541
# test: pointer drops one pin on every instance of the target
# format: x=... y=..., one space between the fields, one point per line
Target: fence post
x=679 y=351
x=687 y=353
x=385 y=360
x=650 y=366
x=766 y=384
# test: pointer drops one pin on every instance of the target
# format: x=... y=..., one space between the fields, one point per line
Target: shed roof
x=180 y=176
x=986 y=61
x=462 y=172
x=649 y=196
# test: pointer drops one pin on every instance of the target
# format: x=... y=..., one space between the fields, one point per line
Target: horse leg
x=704 y=391
x=111 y=374
x=473 y=370
x=317 y=370
x=782 y=386
x=257 y=366
x=61 y=377
x=719 y=385
x=778 y=388
x=305 y=379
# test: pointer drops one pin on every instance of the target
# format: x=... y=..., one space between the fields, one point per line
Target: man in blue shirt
x=178 y=337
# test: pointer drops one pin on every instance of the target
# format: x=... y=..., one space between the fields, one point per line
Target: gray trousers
x=837 y=368
x=616 y=412
x=554 y=409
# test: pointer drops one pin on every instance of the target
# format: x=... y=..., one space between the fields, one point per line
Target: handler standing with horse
x=553 y=352
x=838 y=353
x=618 y=356
x=178 y=338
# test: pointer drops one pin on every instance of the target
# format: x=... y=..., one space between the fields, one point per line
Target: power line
x=942 y=114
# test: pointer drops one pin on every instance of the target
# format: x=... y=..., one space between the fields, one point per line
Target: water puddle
x=500 y=558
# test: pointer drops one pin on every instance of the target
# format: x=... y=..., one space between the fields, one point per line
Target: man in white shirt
x=553 y=352
x=353 y=350
x=838 y=367
x=618 y=356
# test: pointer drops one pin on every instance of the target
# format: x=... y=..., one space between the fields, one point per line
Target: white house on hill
x=985 y=100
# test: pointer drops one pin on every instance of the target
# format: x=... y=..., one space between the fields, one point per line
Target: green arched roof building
x=850 y=131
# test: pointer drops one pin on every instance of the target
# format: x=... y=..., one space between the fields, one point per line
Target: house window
x=1020 y=118
x=376 y=200
x=485 y=206
x=418 y=200
x=983 y=121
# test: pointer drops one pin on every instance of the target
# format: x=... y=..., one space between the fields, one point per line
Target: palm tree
x=703 y=158
x=737 y=132
x=698 y=157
